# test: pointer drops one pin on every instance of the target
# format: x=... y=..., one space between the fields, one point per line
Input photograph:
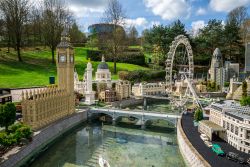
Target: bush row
x=141 y=75
x=131 y=57
x=15 y=133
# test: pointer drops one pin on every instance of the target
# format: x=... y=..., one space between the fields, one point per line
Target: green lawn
x=37 y=67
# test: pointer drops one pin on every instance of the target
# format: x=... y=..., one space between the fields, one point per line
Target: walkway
x=215 y=161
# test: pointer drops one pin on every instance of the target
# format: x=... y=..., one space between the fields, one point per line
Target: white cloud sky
x=227 y=5
x=138 y=22
x=169 y=9
x=201 y=11
x=197 y=26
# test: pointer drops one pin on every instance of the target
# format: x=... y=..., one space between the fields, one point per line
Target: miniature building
x=216 y=71
x=235 y=119
x=181 y=87
x=231 y=70
x=235 y=89
x=108 y=95
x=42 y=107
x=123 y=89
x=79 y=86
x=201 y=88
x=210 y=129
x=103 y=75
x=5 y=96
x=143 y=89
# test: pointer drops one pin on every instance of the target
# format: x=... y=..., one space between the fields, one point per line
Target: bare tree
x=54 y=18
x=15 y=14
x=240 y=16
x=115 y=14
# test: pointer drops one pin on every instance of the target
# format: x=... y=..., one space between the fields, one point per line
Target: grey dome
x=103 y=66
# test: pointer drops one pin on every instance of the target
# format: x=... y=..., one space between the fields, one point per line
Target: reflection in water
x=83 y=146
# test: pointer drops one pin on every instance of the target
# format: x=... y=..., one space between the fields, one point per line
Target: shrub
x=131 y=57
x=14 y=127
x=245 y=101
x=140 y=75
x=198 y=115
x=24 y=132
x=7 y=140
x=226 y=84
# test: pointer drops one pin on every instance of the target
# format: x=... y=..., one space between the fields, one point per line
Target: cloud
x=169 y=9
x=227 y=5
x=87 y=8
x=201 y=11
x=197 y=26
x=138 y=22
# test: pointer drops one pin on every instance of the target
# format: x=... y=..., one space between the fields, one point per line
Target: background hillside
x=36 y=67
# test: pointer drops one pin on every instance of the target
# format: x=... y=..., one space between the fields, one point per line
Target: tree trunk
x=115 y=66
x=53 y=55
x=18 y=51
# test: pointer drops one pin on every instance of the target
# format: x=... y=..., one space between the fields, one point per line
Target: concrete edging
x=189 y=153
x=46 y=135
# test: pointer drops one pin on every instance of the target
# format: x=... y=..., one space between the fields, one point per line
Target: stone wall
x=44 y=137
x=127 y=103
x=189 y=153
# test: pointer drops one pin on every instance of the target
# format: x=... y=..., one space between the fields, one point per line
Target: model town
x=142 y=84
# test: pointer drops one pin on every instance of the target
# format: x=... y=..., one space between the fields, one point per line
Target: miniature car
x=208 y=143
x=217 y=149
x=232 y=156
x=241 y=160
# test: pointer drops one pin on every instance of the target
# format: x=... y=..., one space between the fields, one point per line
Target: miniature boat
x=103 y=162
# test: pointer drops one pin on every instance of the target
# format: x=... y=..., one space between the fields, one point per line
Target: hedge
x=141 y=75
x=132 y=56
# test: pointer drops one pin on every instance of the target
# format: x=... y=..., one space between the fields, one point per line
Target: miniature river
x=123 y=145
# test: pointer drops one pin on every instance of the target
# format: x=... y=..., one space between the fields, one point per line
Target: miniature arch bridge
x=142 y=116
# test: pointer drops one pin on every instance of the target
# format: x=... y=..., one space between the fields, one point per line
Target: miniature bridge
x=142 y=116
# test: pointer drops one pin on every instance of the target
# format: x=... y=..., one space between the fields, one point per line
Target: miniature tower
x=65 y=68
x=65 y=63
x=89 y=94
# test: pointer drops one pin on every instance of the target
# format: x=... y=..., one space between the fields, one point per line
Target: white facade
x=79 y=86
x=236 y=120
x=103 y=75
x=147 y=89
x=89 y=94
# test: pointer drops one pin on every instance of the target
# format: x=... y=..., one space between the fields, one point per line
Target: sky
x=145 y=13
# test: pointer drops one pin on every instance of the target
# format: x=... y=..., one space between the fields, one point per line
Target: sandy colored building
x=147 y=89
x=235 y=89
x=123 y=89
x=107 y=96
x=42 y=107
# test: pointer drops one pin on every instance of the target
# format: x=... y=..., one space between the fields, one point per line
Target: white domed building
x=103 y=75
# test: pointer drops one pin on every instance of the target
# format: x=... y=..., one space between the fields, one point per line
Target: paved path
x=215 y=161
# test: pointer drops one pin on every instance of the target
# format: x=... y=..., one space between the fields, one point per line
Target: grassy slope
x=36 y=68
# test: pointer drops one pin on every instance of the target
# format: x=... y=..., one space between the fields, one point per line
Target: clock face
x=62 y=58
x=71 y=58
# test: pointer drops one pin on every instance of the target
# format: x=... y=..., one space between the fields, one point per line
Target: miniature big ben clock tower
x=65 y=63
x=65 y=68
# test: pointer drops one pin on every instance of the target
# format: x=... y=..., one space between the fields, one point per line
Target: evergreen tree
x=198 y=115
x=244 y=89
x=7 y=115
